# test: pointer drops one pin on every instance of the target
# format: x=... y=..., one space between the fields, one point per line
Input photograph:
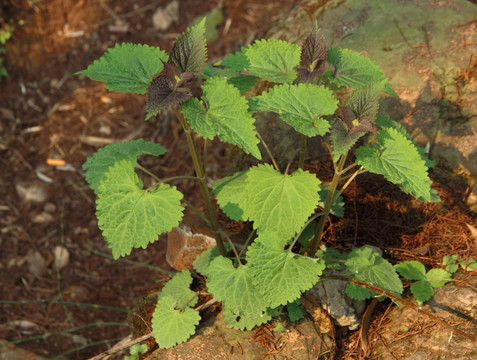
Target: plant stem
x=268 y=151
x=326 y=210
x=301 y=160
x=199 y=170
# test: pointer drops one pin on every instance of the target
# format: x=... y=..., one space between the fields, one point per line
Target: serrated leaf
x=313 y=56
x=387 y=122
x=243 y=322
x=342 y=139
x=438 y=277
x=97 y=164
x=368 y=266
x=161 y=94
x=131 y=217
x=242 y=82
x=226 y=116
x=230 y=192
x=234 y=288
x=281 y=275
x=237 y=61
x=127 y=67
x=179 y=288
x=273 y=60
x=364 y=100
x=422 y=291
x=280 y=203
x=398 y=160
x=468 y=264
x=452 y=268
x=357 y=292
x=301 y=106
x=411 y=270
x=202 y=261
x=172 y=326
x=189 y=52
x=354 y=70
x=295 y=311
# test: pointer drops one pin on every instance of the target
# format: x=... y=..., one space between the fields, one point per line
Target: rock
x=62 y=257
x=183 y=246
x=409 y=335
x=331 y=295
x=36 y=263
x=42 y=218
x=35 y=192
x=11 y=352
x=164 y=17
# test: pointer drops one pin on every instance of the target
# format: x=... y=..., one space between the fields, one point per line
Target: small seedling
x=136 y=350
x=288 y=207
x=452 y=263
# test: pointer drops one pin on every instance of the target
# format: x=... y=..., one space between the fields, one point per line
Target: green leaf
x=295 y=311
x=179 y=288
x=172 y=326
x=131 y=217
x=230 y=192
x=189 y=52
x=97 y=164
x=422 y=291
x=452 y=268
x=127 y=68
x=398 y=160
x=273 y=60
x=281 y=275
x=242 y=82
x=280 y=203
x=357 y=292
x=411 y=270
x=244 y=322
x=452 y=259
x=438 y=277
x=468 y=264
x=234 y=288
x=237 y=61
x=202 y=261
x=386 y=122
x=354 y=70
x=226 y=116
x=368 y=266
x=301 y=106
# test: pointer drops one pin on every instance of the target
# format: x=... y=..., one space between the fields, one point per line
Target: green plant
x=452 y=263
x=282 y=258
x=6 y=31
x=135 y=350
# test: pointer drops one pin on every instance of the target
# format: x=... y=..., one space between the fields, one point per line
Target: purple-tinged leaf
x=162 y=93
x=313 y=56
x=189 y=53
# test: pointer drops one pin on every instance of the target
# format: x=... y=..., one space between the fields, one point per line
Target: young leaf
x=411 y=270
x=244 y=322
x=234 y=288
x=127 y=68
x=131 y=217
x=295 y=311
x=172 y=325
x=189 y=52
x=363 y=101
x=422 y=291
x=273 y=60
x=97 y=164
x=342 y=138
x=438 y=277
x=226 y=116
x=301 y=106
x=354 y=70
x=280 y=203
x=398 y=160
x=313 y=56
x=179 y=288
x=366 y=265
x=162 y=93
x=230 y=192
x=281 y=275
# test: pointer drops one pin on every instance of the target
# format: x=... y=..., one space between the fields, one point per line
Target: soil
x=46 y=112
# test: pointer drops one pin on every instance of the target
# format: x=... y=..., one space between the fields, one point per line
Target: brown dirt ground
x=47 y=113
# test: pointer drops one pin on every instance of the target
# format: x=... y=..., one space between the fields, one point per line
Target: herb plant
x=288 y=209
